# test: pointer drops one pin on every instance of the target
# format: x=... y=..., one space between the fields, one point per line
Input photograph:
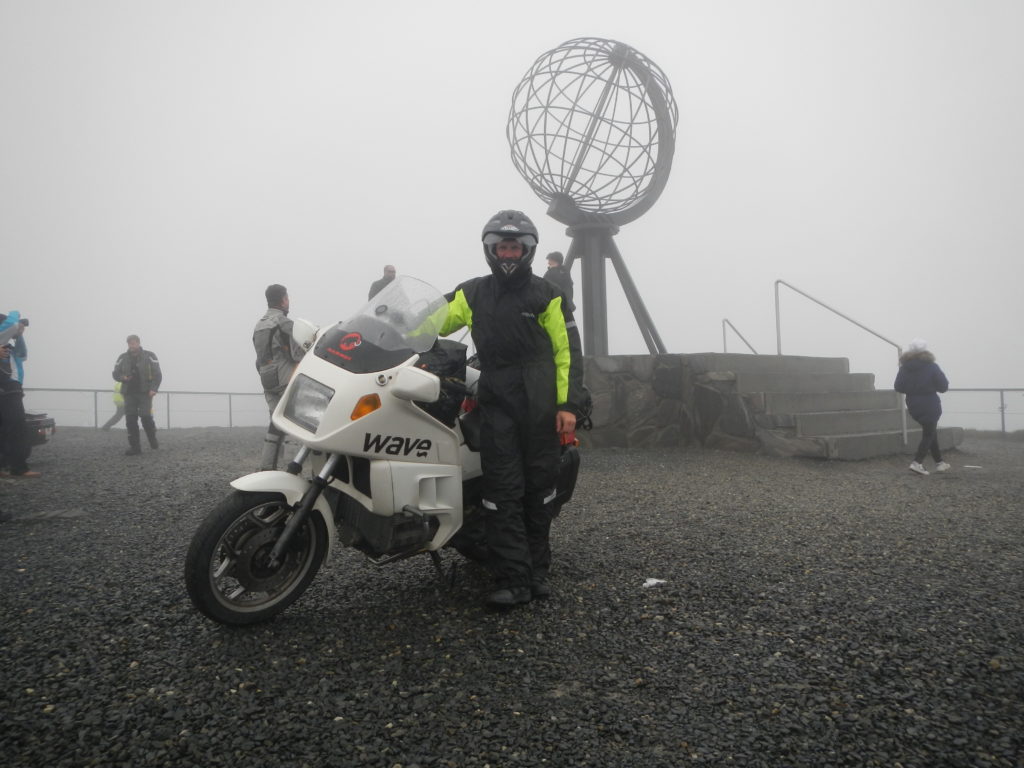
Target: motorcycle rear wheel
x=227 y=571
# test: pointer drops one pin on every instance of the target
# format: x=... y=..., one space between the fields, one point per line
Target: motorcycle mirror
x=416 y=384
x=304 y=333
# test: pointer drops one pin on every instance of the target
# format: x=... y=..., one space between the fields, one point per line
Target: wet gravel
x=806 y=614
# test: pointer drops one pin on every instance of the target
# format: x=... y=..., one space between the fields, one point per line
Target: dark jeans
x=929 y=442
x=14 y=444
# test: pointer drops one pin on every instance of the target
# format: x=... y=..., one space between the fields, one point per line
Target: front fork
x=306 y=504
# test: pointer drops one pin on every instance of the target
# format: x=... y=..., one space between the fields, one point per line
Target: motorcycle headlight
x=307 y=402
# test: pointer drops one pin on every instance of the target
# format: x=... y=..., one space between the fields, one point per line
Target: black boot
x=508 y=597
x=150 y=426
x=540 y=589
x=133 y=438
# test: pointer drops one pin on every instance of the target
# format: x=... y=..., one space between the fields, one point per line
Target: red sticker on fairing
x=347 y=344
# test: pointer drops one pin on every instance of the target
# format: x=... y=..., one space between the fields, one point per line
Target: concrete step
x=706 y=362
x=848 y=422
x=852 y=447
x=816 y=402
x=804 y=382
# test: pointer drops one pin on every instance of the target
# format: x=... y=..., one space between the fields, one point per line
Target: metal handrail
x=735 y=330
x=819 y=302
x=166 y=392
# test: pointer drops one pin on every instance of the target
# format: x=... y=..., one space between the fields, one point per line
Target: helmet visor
x=491 y=239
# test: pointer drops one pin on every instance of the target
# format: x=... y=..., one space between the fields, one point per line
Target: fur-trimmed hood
x=919 y=357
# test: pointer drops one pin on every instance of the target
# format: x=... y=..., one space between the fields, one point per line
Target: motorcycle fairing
x=399 y=432
x=433 y=490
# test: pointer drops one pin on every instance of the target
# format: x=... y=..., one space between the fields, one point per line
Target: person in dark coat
x=378 y=285
x=139 y=370
x=559 y=275
x=921 y=379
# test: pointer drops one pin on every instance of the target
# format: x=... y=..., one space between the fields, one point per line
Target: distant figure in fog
x=921 y=379
x=378 y=285
x=118 y=407
x=139 y=371
x=277 y=354
x=559 y=275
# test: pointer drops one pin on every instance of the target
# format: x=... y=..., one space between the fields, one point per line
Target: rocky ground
x=805 y=614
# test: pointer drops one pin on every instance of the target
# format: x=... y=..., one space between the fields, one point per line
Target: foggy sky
x=162 y=162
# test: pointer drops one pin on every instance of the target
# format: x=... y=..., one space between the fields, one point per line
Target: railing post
x=778 y=321
x=1002 y=410
x=231 y=421
x=168 y=410
x=95 y=409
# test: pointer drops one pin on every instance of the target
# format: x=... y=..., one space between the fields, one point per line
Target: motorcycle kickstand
x=447 y=578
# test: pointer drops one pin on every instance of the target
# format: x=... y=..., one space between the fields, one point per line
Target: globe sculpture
x=592 y=131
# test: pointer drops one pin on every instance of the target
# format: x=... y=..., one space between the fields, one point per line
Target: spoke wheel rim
x=240 y=575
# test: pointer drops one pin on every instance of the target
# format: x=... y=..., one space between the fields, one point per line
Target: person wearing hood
x=920 y=379
x=15 y=447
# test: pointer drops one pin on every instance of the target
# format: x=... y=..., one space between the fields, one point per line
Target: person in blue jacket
x=921 y=379
x=15 y=447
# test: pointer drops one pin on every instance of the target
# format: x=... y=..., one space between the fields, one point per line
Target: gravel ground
x=809 y=614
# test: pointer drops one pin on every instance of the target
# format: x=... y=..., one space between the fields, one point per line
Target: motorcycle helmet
x=510 y=225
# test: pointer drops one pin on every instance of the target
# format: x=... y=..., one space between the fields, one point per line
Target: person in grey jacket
x=277 y=354
x=921 y=379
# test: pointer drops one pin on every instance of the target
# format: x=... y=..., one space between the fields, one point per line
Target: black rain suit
x=530 y=368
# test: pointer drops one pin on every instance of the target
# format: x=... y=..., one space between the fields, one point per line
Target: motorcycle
x=388 y=462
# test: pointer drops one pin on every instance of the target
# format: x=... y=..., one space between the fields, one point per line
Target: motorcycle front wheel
x=227 y=570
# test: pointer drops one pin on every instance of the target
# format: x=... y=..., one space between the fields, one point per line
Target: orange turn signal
x=367 y=404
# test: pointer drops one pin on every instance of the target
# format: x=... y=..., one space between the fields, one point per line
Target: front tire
x=227 y=573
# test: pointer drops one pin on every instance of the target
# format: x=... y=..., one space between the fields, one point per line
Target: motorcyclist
x=277 y=354
x=530 y=392
x=139 y=369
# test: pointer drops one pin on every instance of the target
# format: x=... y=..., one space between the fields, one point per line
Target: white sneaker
x=942 y=467
x=915 y=466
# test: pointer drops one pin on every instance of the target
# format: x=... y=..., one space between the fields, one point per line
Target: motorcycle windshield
x=400 y=321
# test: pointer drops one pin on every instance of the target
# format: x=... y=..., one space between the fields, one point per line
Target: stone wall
x=639 y=401
x=654 y=401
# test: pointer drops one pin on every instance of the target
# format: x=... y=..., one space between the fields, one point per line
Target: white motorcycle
x=388 y=463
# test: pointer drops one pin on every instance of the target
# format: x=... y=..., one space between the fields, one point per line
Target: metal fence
x=993 y=409
x=171 y=408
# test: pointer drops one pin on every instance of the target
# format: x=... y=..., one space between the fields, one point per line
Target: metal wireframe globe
x=594 y=121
